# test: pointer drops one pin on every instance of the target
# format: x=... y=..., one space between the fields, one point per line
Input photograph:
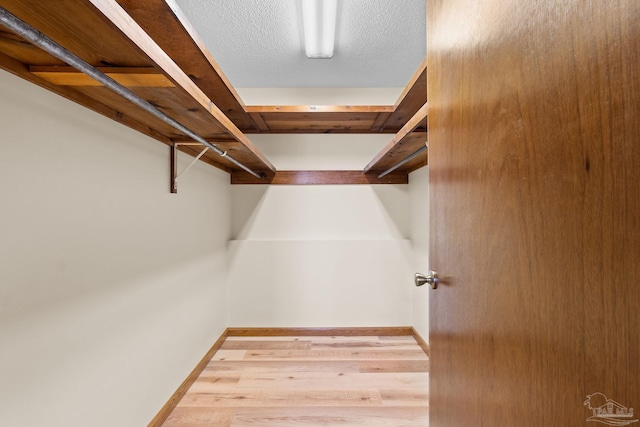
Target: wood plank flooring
x=310 y=381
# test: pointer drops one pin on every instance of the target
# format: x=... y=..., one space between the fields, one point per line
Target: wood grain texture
x=259 y=122
x=402 y=145
x=319 y=118
x=19 y=49
x=373 y=417
x=321 y=178
x=167 y=25
x=150 y=47
x=421 y=342
x=304 y=383
x=126 y=76
x=118 y=18
x=284 y=332
x=410 y=100
x=345 y=118
x=77 y=28
x=534 y=159
x=81 y=28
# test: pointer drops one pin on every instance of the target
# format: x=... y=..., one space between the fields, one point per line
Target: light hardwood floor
x=310 y=381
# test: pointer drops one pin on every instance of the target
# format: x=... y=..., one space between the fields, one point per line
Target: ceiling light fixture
x=319 y=22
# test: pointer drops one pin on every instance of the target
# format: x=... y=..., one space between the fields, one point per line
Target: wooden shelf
x=167 y=25
x=319 y=118
x=320 y=178
x=345 y=119
x=170 y=29
x=104 y=35
x=149 y=47
x=410 y=101
x=406 y=142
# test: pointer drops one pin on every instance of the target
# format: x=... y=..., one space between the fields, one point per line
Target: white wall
x=316 y=256
x=111 y=288
x=327 y=255
x=319 y=256
x=320 y=283
x=419 y=232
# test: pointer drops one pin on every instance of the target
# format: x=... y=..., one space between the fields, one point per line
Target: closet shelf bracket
x=175 y=175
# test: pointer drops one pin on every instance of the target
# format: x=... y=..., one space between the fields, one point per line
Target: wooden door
x=534 y=152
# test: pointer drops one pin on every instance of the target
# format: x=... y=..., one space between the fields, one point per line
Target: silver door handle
x=431 y=278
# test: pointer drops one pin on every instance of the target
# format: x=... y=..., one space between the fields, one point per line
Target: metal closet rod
x=45 y=43
x=403 y=161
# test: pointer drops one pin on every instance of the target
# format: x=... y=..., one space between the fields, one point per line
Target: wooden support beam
x=378 y=125
x=321 y=178
x=259 y=122
x=126 y=76
x=395 y=150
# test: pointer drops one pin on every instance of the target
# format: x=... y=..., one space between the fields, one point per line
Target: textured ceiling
x=258 y=43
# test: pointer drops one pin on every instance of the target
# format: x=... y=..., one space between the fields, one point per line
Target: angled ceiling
x=379 y=43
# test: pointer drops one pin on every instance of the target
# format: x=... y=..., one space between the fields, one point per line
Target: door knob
x=431 y=278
